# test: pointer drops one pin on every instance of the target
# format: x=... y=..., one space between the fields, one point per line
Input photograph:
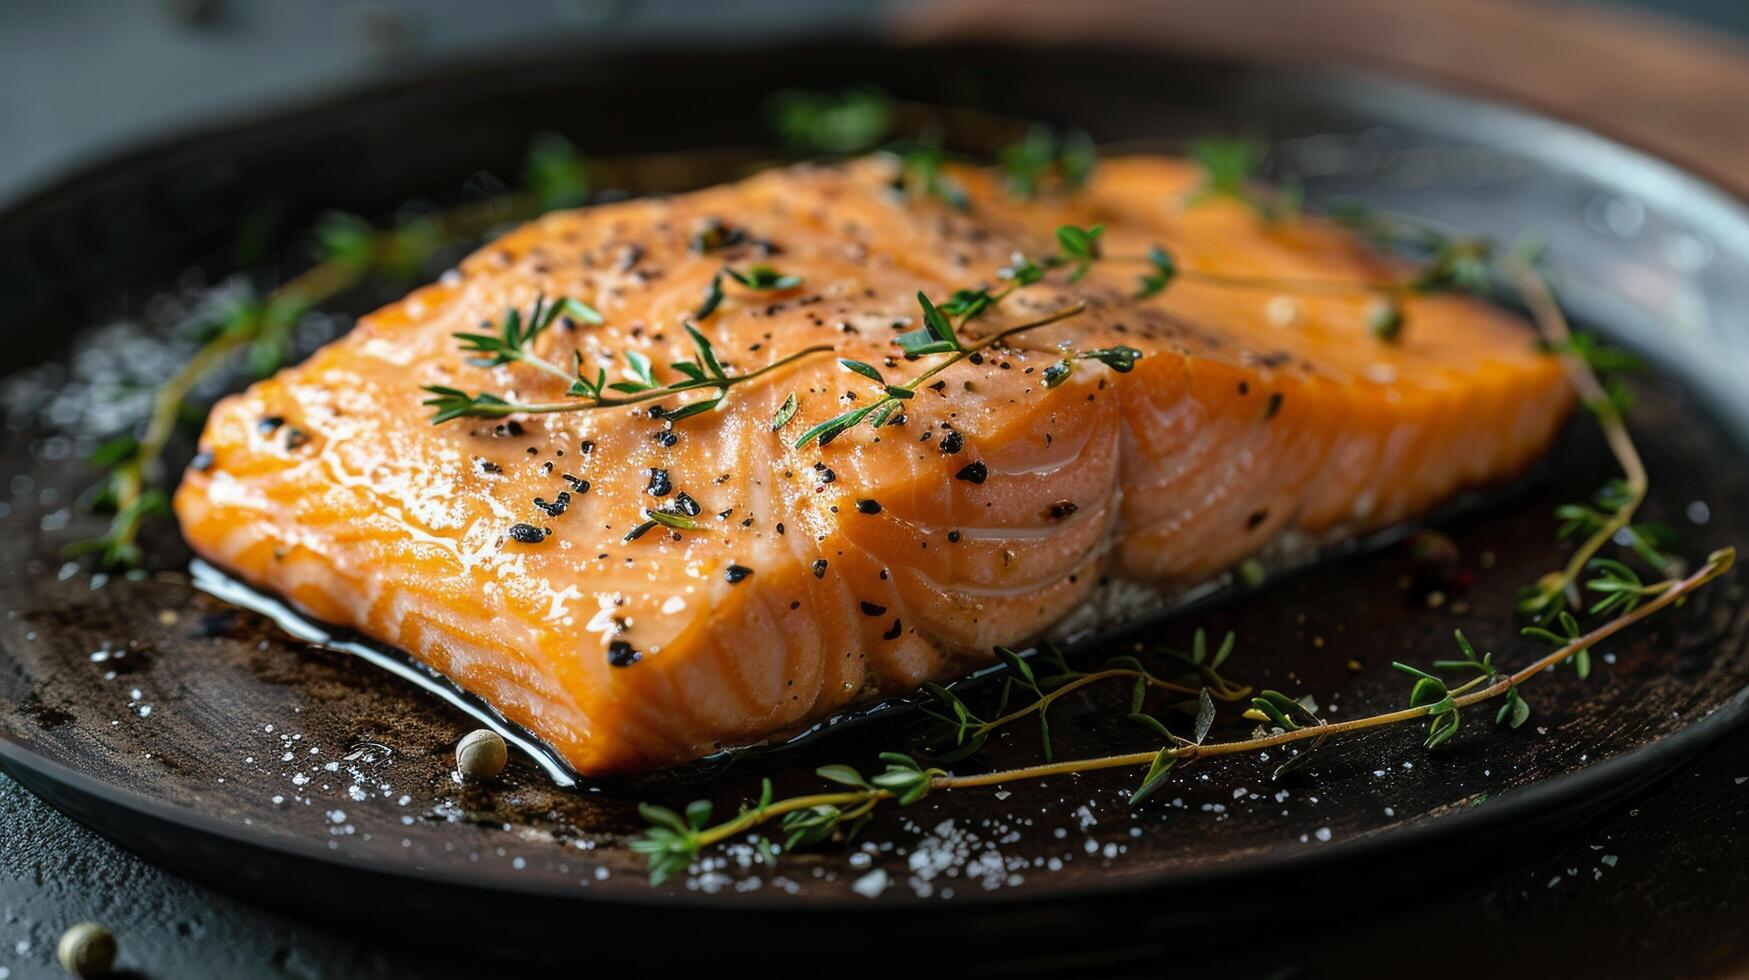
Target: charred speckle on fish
x=577 y=485
x=736 y=573
x=819 y=568
x=557 y=506
x=713 y=234
x=622 y=654
x=660 y=485
x=952 y=443
x=873 y=608
x=973 y=473
x=868 y=506
x=528 y=533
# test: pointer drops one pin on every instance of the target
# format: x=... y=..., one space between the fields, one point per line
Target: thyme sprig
x=1043 y=157
x=514 y=340
x=922 y=175
x=818 y=123
x=673 y=848
x=938 y=335
x=967 y=732
x=513 y=344
x=350 y=252
x=1164 y=269
x=940 y=326
x=1549 y=596
x=1387 y=316
x=1230 y=168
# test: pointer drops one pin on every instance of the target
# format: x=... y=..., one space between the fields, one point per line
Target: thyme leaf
x=785 y=412
x=1041 y=156
x=818 y=123
x=763 y=277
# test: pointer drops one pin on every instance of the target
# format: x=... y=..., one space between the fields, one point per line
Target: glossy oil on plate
x=217 y=744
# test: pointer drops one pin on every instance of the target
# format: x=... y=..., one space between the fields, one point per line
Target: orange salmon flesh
x=998 y=511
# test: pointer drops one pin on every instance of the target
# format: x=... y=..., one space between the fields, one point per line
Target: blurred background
x=80 y=78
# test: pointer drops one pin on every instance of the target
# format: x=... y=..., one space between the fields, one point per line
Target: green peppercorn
x=86 y=950
x=481 y=754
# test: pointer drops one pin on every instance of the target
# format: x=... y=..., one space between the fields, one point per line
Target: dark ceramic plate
x=211 y=742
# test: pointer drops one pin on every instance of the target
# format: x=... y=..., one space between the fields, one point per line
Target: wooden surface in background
x=1652 y=82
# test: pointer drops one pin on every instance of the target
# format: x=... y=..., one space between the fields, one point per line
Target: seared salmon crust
x=495 y=550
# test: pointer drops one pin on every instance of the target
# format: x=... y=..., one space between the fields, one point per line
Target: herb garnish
x=1620 y=499
x=937 y=336
x=350 y=251
x=1230 y=166
x=667 y=516
x=920 y=175
x=763 y=277
x=672 y=845
x=967 y=732
x=760 y=278
x=1385 y=320
x=638 y=384
x=1041 y=156
x=816 y=123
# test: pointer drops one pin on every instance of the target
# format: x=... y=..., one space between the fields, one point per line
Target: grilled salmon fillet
x=496 y=551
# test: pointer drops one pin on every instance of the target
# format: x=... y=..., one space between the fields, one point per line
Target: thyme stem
x=500 y=409
x=1064 y=313
x=1553 y=325
x=130 y=478
x=881 y=408
x=1044 y=700
x=1716 y=565
x=755 y=817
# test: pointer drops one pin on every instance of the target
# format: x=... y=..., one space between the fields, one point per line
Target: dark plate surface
x=215 y=744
